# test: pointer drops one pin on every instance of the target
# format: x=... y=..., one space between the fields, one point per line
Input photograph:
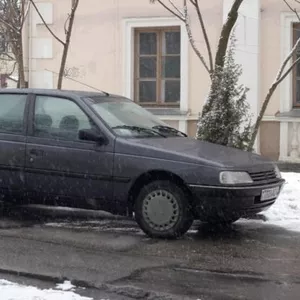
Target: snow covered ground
x=286 y=211
x=14 y=291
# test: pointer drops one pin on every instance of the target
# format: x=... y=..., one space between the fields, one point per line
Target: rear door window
x=12 y=113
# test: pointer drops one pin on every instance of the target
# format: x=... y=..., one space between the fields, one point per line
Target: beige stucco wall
x=97 y=50
x=270 y=139
x=271 y=46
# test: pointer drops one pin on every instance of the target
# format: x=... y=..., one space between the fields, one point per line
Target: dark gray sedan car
x=101 y=151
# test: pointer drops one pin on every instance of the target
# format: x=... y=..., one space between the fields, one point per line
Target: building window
x=296 y=70
x=157 y=66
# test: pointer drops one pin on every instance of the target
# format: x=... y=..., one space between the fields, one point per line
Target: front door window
x=59 y=118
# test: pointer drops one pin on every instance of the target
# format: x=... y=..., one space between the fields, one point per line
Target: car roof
x=55 y=92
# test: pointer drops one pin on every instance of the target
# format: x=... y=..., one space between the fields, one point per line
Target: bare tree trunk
x=225 y=33
x=62 y=66
x=21 y=70
x=21 y=74
x=66 y=46
x=260 y=116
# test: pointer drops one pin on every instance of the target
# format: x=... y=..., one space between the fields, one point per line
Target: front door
x=12 y=145
x=60 y=168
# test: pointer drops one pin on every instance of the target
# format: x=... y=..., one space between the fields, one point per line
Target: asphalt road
x=113 y=259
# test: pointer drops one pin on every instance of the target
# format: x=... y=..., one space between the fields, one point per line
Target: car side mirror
x=91 y=135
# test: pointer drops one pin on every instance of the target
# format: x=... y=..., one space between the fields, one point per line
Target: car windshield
x=128 y=119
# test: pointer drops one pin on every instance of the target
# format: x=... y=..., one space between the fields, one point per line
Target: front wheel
x=162 y=210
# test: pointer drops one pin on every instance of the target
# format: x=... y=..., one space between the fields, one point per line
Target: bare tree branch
x=293 y=9
x=66 y=23
x=183 y=16
x=175 y=7
x=268 y=98
x=281 y=75
x=13 y=69
x=4 y=22
x=68 y=31
x=176 y=14
x=45 y=23
x=191 y=39
x=288 y=71
x=290 y=55
x=200 y=18
x=9 y=57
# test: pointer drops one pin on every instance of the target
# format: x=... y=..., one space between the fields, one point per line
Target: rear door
x=12 y=144
x=60 y=168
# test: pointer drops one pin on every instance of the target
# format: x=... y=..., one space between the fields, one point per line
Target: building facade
x=141 y=51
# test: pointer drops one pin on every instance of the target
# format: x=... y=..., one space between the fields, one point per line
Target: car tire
x=162 y=210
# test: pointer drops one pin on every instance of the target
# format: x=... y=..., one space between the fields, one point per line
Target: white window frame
x=128 y=53
x=286 y=87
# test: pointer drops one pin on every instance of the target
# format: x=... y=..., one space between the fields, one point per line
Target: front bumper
x=219 y=201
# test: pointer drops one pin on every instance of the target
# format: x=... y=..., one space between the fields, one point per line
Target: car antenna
x=82 y=83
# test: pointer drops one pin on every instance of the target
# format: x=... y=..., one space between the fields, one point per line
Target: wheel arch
x=151 y=176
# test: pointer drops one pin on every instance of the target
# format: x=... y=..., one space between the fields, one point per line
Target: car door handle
x=36 y=152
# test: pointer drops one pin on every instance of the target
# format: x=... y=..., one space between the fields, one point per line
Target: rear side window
x=12 y=113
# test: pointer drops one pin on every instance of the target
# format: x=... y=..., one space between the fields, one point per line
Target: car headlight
x=230 y=177
x=277 y=172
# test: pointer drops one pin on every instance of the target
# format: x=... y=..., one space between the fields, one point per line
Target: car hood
x=195 y=151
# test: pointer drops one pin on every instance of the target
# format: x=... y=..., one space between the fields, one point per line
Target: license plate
x=269 y=194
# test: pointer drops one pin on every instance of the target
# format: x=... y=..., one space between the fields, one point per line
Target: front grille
x=266 y=176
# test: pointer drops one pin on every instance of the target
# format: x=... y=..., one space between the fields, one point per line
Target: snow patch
x=14 y=291
x=65 y=286
x=286 y=210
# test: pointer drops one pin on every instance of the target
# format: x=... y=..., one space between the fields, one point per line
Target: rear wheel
x=162 y=210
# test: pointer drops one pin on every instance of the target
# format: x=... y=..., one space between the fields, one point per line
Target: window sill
x=294 y=113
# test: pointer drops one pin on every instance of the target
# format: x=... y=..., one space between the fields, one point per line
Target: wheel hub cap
x=160 y=210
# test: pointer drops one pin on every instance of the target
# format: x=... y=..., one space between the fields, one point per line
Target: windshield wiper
x=139 y=129
x=168 y=129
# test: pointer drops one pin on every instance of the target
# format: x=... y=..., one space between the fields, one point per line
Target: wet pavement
x=111 y=257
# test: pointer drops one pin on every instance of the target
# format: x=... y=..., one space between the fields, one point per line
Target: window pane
x=148 y=43
x=12 y=113
x=171 y=67
x=147 y=91
x=171 y=91
x=296 y=35
x=59 y=118
x=147 y=67
x=171 y=42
